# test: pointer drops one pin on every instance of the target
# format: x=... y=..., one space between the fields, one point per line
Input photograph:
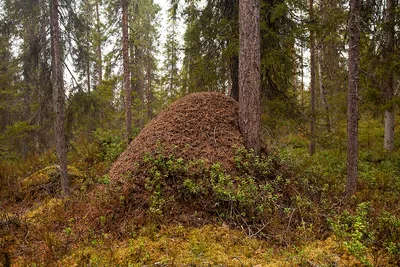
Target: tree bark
x=27 y=112
x=323 y=93
x=231 y=13
x=126 y=80
x=302 y=75
x=389 y=81
x=59 y=96
x=249 y=74
x=312 y=77
x=99 y=53
x=88 y=64
x=352 y=98
x=234 y=67
x=149 y=94
x=30 y=62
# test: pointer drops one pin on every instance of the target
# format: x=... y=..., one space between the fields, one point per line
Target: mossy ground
x=209 y=245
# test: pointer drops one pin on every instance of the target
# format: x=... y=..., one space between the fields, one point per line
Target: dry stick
x=259 y=230
x=248 y=227
x=290 y=219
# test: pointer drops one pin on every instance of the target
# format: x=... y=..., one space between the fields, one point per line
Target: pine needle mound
x=197 y=126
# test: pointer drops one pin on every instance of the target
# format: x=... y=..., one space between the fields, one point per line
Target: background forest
x=115 y=73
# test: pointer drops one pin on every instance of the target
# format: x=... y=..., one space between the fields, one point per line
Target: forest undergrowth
x=284 y=208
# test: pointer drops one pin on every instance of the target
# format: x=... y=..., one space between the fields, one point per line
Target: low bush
x=266 y=195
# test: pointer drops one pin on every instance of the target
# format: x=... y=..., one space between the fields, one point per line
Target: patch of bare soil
x=197 y=126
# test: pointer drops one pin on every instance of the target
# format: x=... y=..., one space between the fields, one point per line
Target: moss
x=44 y=210
x=208 y=245
x=47 y=181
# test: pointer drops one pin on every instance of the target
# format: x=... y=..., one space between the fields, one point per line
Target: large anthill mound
x=197 y=126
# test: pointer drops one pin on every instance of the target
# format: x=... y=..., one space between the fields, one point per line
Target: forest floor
x=185 y=193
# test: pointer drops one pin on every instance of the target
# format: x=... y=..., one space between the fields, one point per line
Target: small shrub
x=260 y=189
x=110 y=144
x=369 y=236
x=354 y=231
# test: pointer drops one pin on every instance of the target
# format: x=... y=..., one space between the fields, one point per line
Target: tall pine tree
x=57 y=65
x=352 y=98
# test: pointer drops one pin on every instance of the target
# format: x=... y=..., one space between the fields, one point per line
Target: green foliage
x=250 y=195
x=105 y=179
x=191 y=188
x=110 y=144
x=355 y=232
x=11 y=138
x=367 y=235
x=94 y=155
x=211 y=40
x=388 y=235
x=105 y=147
x=162 y=169
x=260 y=189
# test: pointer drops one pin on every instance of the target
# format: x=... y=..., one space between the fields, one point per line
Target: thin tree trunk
x=234 y=67
x=59 y=96
x=126 y=82
x=30 y=65
x=312 y=78
x=139 y=80
x=149 y=93
x=27 y=95
x=99 y=53
x=352 y=101
x=173 y=59
x=88 y=59
x=389 y=81
x=88 y=73
x=324 y=102
x=27 y=111
x=302 y=75
x=42 y=83
x=249 y=74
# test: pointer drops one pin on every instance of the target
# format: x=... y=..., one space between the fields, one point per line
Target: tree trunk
x=302 y=74
x=312 y=77
x=234 y=66
x=173 y=59
x=59 y=96
x=149 y=94
x=98 y=42
x=352 y=101
x=126 y=82
x=389 y=81
x=27 y=73
x=27 y=112
x=249 y=74
x=231 y=13
x=30 y=63
x=138 y=69
x=88 y=68
x=323 y=93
